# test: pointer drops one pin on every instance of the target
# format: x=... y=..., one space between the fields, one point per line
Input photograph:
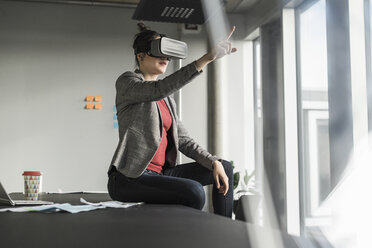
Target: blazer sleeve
x=134 y=89
x=190 y=148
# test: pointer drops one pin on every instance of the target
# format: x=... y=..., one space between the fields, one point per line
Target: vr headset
x=165 y=48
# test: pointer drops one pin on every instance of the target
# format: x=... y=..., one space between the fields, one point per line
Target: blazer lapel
x=169 y=107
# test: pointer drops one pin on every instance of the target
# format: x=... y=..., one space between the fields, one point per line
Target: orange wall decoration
x=98 y=106
x=90 y=99
x=89 y=105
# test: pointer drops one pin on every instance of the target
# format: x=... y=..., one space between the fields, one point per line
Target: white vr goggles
x=165 y=48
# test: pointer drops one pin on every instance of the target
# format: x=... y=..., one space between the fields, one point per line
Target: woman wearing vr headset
x=144 y=167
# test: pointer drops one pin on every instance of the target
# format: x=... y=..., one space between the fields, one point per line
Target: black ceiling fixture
x=177 y=11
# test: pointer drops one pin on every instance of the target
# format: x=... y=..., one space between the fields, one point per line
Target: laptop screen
x=4 y=197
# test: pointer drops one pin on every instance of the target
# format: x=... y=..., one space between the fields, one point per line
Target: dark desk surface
x=145 y=225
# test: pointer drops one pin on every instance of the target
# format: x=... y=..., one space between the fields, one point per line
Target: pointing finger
x=231 y=32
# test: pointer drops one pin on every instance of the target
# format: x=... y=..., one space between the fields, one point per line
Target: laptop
x=6 y=200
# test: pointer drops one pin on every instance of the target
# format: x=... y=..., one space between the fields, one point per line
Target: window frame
x=368 y=41
x=303 y=174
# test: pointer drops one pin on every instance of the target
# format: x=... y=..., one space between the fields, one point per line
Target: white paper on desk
x=79 y=192
x=67 y=207
x=79 y=208
x=112 y=204
x=43 y=208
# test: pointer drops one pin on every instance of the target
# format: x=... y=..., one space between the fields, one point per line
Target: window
x=333 y=60
x=313 y=111
x=253 y=120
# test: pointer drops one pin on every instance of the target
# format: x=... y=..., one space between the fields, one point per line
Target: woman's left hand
x=220 y=50
x=219 y=174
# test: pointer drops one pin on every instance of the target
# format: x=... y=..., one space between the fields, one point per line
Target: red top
x=31 y=173
x=158 y=160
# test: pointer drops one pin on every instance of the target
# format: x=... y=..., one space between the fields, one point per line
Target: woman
x=144 y=167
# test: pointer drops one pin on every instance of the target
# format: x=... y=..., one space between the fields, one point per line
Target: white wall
x=239 y=107
x=51 y=57
x=194 y=100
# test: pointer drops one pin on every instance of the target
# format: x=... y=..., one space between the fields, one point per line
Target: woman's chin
x=161 y=71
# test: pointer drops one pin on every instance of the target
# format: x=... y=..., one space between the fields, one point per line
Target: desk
x=146 y=225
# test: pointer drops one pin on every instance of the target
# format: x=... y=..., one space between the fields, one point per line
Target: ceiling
x=239 y=6
x=232 y=6
x=116 y=1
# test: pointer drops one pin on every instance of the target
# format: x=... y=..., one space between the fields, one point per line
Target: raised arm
x=134 y=89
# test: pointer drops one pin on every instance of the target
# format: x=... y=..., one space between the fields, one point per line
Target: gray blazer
x=140 y=123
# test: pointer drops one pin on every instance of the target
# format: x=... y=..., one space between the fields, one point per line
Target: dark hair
x=142 y=39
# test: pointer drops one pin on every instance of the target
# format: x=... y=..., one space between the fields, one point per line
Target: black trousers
x=182 y=184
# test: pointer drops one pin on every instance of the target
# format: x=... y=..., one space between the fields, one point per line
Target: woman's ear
x=140 y=56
